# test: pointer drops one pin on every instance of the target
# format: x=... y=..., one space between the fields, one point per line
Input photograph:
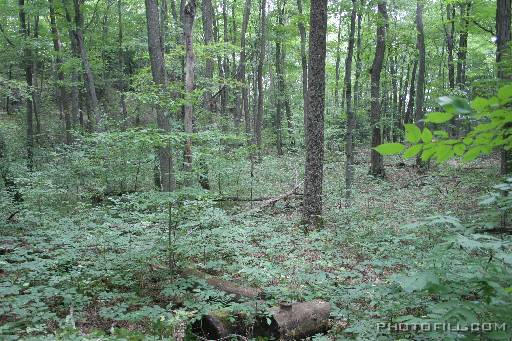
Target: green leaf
x=457 y=104
x=472 y=154
x=443 y=153
x=505 y=92
x=479 y=103
x=426 y=135
x=412 y=151
x=390 y=148
x=459 y=149
x=412 y=133
x=427 y=154
x=438 y=117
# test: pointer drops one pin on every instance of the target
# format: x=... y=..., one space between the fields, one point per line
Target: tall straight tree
x=188 y=24
x=303 y=59
x=280 y=82
x=27 y=65
x=243 y=101
x=313 y=181
x=503 y=61
x=357 y=75
x=156 y=56
x=420 y=84
x=207 y=18
x=377 y=163
x=258 y=120
x=351 y=122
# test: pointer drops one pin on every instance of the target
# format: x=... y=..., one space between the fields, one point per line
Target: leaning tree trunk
x=377 y=163
x=188 y=23
x=503 y=61
x=258 y=122
x=89 y=77
x=303 y=60
x=27 y=61
x=351 y=120
x=314 y=123
x=156 y=56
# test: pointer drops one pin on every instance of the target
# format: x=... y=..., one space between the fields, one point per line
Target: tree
x=377 y=164
x=188 y=23
x=258 y=120
x=351 y=121
x=156 y=56
x=303 y=60
x=314 y=123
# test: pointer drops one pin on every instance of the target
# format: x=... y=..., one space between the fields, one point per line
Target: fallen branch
x=271 y=201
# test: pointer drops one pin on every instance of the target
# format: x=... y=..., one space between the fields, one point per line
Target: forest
x=255 y=170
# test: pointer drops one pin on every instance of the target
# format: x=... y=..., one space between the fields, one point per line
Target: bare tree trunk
x=303 y=60
x=27 y=61
x=122 y=82
x=420 y=84
x=337 y=65
x=503 y=58
x=463 y=45
x=377 y=164
x=35 y=70
x=89 y=77
x=61 y=93
x=358 y=58
x=450 y=32
x=412 y=94
x=351 y=121
x=156 y=56
x=258 y=122
x=207 y=16
x=188 y=23
x=243 y=100
x=280 y=82
x=313 y=181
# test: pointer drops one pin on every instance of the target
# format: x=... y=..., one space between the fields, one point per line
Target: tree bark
x=450 y=32
x=207 y=16
x=412 y=94
x=28 y=63
x=303 y=59
x=156 y=56
x=377 y=164
x=258 y=122
x=76 y=114
x=280 y=82
x=337 y=65
x=357 y=75
x=420 y=84
x=188 y=24
x=243 y=100
x=351 y=122
x=504 y=66
x=315 y=115
x=463 y=45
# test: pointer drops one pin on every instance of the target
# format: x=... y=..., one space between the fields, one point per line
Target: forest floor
x=102 y=267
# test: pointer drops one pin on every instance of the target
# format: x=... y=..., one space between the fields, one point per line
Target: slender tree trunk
x=280 y=82
x=463 y=45
x=61 y=92
x=188 y=24
x=313 y=181
x=286 y=100
x=156 y=56
x=35 y=71
x=450 y=32
x=337 y=65
x=258 y=122
x=377 y=164
x=412 y=94
x=404 y=86
x=89 y=77
x=503 y=61
x=303 y=60
x=207 y=16
x=122 y=82
x=76 y=113
x=351 y=121
x=27 y=61
x=357 y=75
x=420 y=84
x=225 y=61
x=243 y=100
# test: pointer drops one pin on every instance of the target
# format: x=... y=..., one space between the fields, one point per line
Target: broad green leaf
x=441 y=133
x=459 y=149
x=412 y=151
x=443 y=153
x=390 y=148
x=438 y=117
x=456 y=104
x=427 y=153
x=412 y=133
x=426 y=135
x=479 y=103
x=472 y=154
x=505 y=92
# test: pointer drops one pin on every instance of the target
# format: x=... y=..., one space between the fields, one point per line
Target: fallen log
x=271 y=201
x=287 y=322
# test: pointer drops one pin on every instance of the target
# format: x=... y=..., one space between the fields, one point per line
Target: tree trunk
x=207 y=16
x=450 y=32
x=303 y=60
x=89 y=77
x=503 y=57
x=243 y=100
x=61 y=93
x=463 y=45
x=412 y=94
x=27 y=61
x=420 y=84
x=258 y=122
x=280 y=81
x=337 y=65
x=351 y=122
x=377 y=164
x=188 y=24
x=357 y=75
x=156 y=56
x=122 y=82
x=313 y=181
